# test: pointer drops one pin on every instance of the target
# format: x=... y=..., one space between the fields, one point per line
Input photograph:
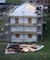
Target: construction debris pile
x=15 y=48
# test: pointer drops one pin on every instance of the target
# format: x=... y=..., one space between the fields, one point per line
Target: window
x=16 y=21
x=29 y=20
x=17 y=35
x=29 y=35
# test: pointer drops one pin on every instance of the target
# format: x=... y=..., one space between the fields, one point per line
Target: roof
x=25 y=9
x=2 y=1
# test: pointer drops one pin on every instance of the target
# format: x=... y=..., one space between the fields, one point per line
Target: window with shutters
x=29 y=35
x=16 y=20
x=17 y=35
x=29 y=20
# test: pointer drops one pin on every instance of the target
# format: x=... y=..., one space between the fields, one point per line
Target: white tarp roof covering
x=2 y=1
x=25 y=9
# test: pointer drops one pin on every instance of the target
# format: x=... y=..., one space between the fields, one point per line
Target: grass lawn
x=2 y=22
x=8 y=1
x=43 y=54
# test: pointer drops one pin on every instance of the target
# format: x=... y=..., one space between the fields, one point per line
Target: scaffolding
x=37 y=1
x=45 y=10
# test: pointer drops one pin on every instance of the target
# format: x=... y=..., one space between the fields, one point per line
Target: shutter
x=16 y=21
x=29 y=35
x=17 y=35
x=29 y=20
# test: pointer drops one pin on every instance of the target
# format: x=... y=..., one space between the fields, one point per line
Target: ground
x=43 y=54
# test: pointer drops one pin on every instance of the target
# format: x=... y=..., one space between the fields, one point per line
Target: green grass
x=14 y=1
x=43 y=54
x=2 y=23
